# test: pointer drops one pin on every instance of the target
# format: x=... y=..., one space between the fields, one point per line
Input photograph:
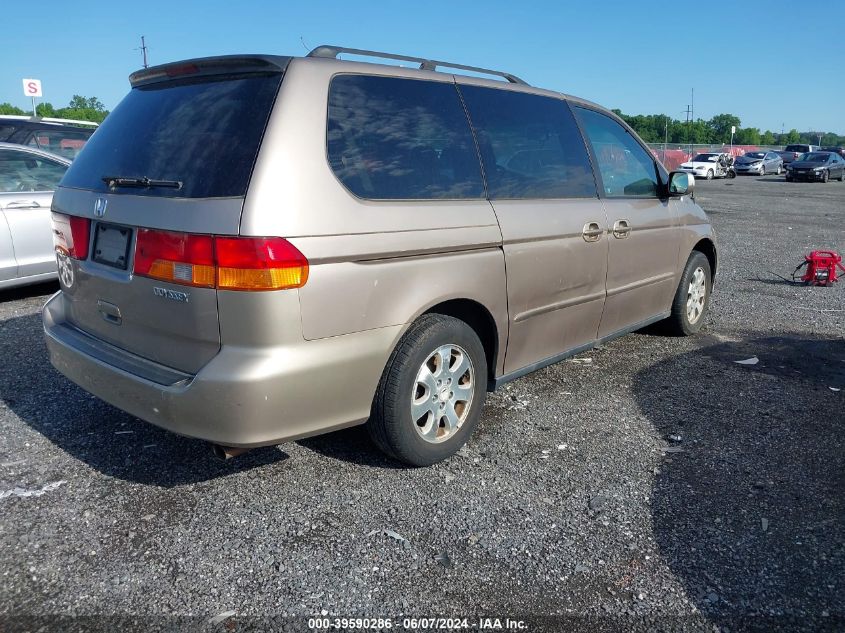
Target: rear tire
x=842 y=176
x=431 y=392
x=692 y=298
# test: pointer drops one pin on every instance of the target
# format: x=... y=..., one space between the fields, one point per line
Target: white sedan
x=28 y=177
x=706 y=166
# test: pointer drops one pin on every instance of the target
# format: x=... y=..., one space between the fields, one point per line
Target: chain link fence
x=673 y=154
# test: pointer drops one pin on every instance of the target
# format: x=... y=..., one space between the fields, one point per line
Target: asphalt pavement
x=652 y=483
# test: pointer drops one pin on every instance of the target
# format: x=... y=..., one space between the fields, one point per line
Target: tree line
x=80 y=108
x=659 y=128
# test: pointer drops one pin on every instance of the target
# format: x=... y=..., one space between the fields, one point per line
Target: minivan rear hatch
x=166 y=171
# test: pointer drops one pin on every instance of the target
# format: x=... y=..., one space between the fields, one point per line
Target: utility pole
x=144 y=51
x=692 y=114
x=688 y=113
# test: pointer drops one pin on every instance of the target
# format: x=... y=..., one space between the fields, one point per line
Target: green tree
x=45 y=109
x=747 y=136
x=793 y=136
x=721 y=126
x=78 y=102
x=8 y=108
x=768 y=138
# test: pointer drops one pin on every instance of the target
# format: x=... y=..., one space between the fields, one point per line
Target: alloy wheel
x=696 y=295
x=442 y=393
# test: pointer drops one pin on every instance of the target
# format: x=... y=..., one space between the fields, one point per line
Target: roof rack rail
x=38 y=119
x=332 y=52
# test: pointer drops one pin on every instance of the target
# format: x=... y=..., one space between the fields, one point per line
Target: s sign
x=100 y=205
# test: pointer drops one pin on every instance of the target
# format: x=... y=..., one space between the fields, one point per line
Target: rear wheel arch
x=479 y=318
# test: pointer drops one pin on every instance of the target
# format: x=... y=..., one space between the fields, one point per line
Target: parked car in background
x=791 y=152
x=835 y=150
x=759 y=163
x=817 y=167
x=708 y=166
x=421 y=259
x=63 y=137
x=28 y=177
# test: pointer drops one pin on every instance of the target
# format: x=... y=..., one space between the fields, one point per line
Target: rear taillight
x=230 y=263
x=71 y=235
x=178 y=257
x=259 y=263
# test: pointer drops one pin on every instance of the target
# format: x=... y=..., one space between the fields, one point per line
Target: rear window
x=797 y=148
x=394 y=139
x=202 y=133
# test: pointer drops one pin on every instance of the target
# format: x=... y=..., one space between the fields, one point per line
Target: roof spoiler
x=209 y=66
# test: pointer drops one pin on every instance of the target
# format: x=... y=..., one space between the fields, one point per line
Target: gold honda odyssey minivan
x=254 y=249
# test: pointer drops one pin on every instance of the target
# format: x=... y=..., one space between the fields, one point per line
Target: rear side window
x=393 y=139
x=22 y=171
x=627 y=170
x=530 y=145
x=202 y=133
x=61 y=141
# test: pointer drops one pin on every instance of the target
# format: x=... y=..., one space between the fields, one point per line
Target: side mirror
x=681 y=183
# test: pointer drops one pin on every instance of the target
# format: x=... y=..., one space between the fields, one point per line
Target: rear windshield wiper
x=120 y=181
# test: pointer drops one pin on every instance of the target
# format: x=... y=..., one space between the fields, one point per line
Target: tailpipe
x=227 y=452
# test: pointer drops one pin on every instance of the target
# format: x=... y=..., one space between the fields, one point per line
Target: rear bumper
x=244 y=396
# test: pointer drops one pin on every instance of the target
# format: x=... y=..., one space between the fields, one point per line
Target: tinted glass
x=530 y=145
x=392 y=139
x=797 y=148
x=626 y=168
x=62 y=141
x=814 y=157
x=706 y=158
x=204 y=134
x=6 y=131
x=21 y=171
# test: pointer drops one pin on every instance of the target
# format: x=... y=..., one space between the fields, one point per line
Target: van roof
x=276 y=63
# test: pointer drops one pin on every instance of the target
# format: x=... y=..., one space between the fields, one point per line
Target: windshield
x=203 y=134
x=754 y=155
x=705 y=158
x=814 y=157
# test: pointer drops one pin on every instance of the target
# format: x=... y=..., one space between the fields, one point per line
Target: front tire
x=825 y=176
x=763 y=171
x=709 y=174
x=692 y=298
x=779 y=170
x=431 y=393
x=842 y=176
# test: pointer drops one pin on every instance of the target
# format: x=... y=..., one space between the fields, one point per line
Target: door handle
x=23 y=204
x=621 y=229
x=592 y=232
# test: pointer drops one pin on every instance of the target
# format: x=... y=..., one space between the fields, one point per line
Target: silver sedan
x=28 y=177
x=759 y=163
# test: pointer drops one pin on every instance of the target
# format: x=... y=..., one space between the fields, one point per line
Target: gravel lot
x=653 y=483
